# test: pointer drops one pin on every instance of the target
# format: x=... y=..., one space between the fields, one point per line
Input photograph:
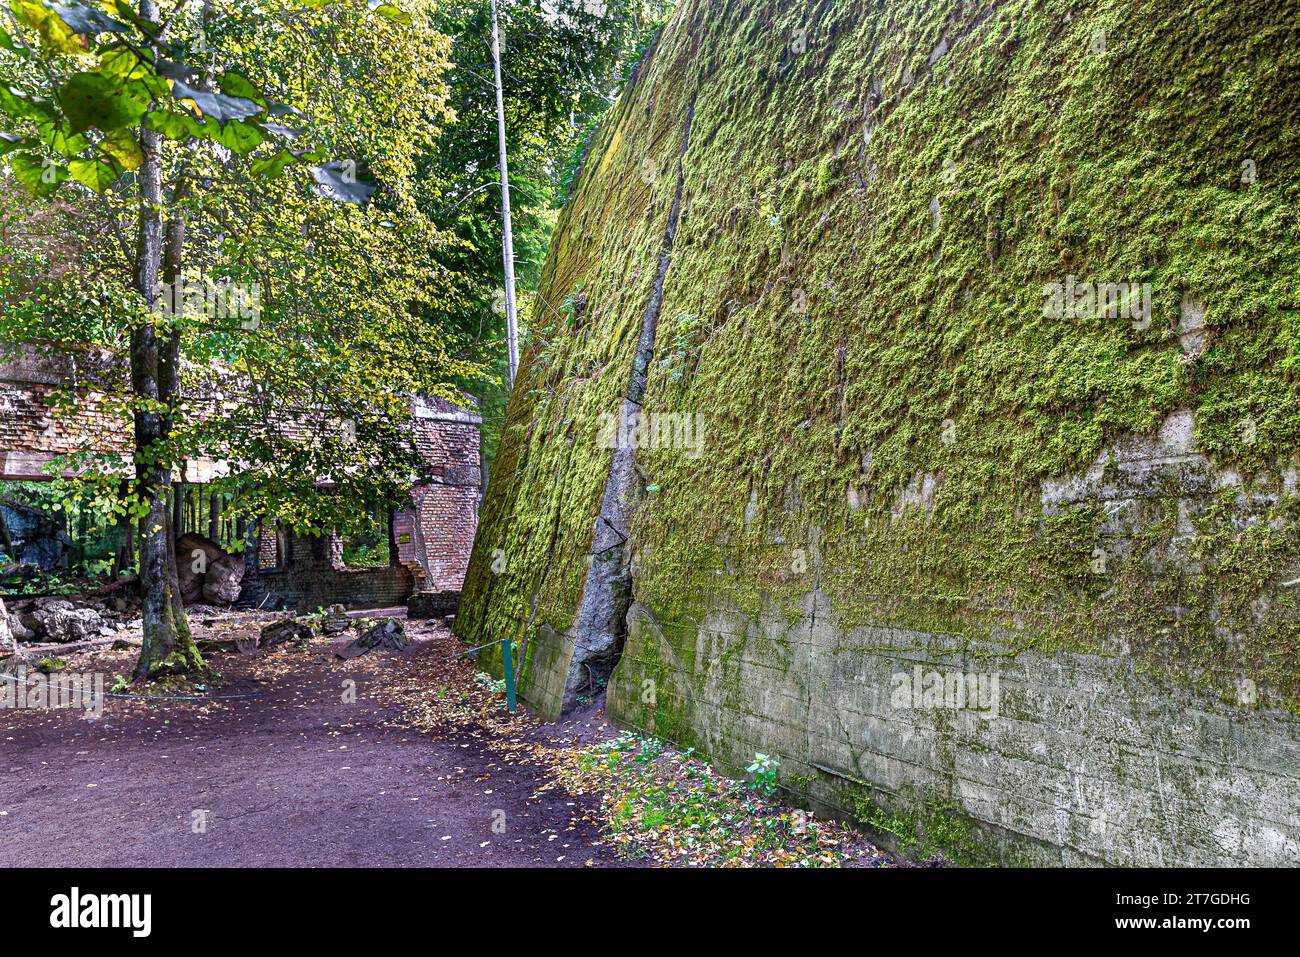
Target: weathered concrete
x=1085 y=761
x=911 y=457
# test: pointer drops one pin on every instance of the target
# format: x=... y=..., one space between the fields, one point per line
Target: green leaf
x=215 y=106
x=173 y=124
x=104 y=102
x=238 y=86
x=25 y=106
x=121 y=145
x=388 y=11
x=98 y=174
x=125 y=64
x=241 y=137
x=39 y=175
x=55 y=34
x=57 y=138
x=273 y=166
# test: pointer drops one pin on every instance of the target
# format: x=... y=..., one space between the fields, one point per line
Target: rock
x=389 y=633
x=336 y=620
x=25 y=522
x=194 y=554
x=226 y=646
x=45 y=553
x=38 y=541
x=63 y=623
x=31 y=624
x=7 y=640
x=19 y=629
x=206 y=572
x=222 y=584
x=286 y=629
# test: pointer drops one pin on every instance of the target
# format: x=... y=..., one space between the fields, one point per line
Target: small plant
x=683 y=345
x=573 y=307
x=47 y=666
x=120 y=685
x=764 y=771
x=625 y=741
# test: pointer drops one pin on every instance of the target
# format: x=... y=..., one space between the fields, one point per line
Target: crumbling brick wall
x=431 y=539
x=310 y=576
x=446 y=503
x=32 y=431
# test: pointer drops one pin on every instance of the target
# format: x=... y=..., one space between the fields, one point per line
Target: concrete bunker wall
x=910 y=464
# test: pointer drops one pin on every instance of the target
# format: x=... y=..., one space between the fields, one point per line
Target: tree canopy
x=285 y=222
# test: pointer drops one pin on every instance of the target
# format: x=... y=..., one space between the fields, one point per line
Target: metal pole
x=507 y=241
x=507 y=660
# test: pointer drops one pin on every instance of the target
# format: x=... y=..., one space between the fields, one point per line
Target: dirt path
x=292 y=775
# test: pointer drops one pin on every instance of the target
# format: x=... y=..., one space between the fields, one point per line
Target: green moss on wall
x=872 y=209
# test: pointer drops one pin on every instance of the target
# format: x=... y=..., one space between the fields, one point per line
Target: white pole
x=507 y=242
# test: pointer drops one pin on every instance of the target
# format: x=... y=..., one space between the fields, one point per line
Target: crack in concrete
x=600 y=627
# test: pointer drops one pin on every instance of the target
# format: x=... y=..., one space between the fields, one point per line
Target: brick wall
x=32 y=430
x=312 y=577
x=445 y=516
x=432 y=538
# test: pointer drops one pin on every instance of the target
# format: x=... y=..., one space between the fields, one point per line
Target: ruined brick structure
x=31 y=435
x=430 y=541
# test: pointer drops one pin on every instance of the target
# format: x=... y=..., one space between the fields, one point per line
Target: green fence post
x=507 y=658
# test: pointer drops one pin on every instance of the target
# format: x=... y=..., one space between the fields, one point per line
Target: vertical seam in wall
x=618 y=500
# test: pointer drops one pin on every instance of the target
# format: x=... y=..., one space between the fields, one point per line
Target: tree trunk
x=168 y=644
x=169 y=387
x=214 y=517
x=178 y=508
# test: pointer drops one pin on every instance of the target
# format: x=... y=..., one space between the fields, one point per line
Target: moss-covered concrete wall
x=990 y=317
